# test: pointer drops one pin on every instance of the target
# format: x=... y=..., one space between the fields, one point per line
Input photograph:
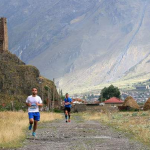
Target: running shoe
x=30 y=126
x=66 y=121
x=69 y=120
x=33 y=134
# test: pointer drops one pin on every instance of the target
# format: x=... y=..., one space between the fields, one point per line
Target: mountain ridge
x=83 y=44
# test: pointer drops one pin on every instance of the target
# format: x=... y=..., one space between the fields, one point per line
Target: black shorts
x=67 y=108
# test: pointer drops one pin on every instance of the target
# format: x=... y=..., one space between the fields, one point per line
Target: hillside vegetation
x=17 y=80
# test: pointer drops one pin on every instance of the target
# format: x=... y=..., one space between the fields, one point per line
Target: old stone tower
x=3 y=35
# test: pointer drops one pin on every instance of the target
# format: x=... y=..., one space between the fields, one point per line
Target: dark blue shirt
x=68 y=100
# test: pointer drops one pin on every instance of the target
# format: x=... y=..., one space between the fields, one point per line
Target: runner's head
x=34 y=91
x=67 y=95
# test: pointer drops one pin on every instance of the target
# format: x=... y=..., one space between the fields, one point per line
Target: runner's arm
x=65 y=103
x=39 y=104
x=28 y=104
x=68 y=103
x=71 y=102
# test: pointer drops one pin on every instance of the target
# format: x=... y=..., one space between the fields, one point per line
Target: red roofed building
x=114 y=102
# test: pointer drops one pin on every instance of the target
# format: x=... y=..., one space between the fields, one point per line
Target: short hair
x=67 y=94
x=34 y=88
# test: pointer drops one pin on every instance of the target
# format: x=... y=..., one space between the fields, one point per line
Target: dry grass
x=14 y=124
x=136 y=123
x=147 y=105
x=129 y=101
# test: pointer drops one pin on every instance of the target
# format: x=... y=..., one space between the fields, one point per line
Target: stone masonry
x=3 y=35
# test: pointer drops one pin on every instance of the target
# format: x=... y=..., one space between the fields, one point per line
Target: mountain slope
x=81 y=43
x=138 y=71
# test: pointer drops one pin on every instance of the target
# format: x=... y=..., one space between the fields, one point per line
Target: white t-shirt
x=33 y=101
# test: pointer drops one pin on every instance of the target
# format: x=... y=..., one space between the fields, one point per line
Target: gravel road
x=79 y=135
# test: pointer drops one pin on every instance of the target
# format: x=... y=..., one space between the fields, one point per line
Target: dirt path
x=78 y=135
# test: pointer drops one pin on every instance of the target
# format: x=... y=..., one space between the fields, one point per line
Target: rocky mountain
x=82 y=43
x=17 y=80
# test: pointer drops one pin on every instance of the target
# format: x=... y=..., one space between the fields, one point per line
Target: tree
x=109 y=92
x=61 y=93
x=84 y=97
x=92 y=96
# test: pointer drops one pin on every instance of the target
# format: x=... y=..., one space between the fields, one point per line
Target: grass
x=135 y=123
x=13 y=126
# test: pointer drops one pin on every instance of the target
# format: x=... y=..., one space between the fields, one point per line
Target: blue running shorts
x=34 y=115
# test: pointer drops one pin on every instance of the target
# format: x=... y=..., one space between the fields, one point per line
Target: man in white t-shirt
x=33 y=102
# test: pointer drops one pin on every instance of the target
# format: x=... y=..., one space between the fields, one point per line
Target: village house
x=113 y=102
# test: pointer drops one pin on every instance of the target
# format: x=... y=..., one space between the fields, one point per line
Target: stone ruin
x=3 y=35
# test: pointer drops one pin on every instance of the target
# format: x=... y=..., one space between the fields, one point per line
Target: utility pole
x=101 y=97
x=49 y=98
x=42 y=90
x=53 y=104
x=59 y=99
x=41 y=82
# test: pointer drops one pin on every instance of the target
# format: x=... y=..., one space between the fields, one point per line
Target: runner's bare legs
x=69 y=116
x=31 y=121
x=33 y=102
x=35 y=125
x=66 y=115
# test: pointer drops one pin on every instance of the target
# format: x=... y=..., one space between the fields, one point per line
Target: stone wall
x=115 y=105
x=93 y=108
x=98 y=108
x=79 y=108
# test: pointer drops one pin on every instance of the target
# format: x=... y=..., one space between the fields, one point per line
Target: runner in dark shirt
x=67 y=104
